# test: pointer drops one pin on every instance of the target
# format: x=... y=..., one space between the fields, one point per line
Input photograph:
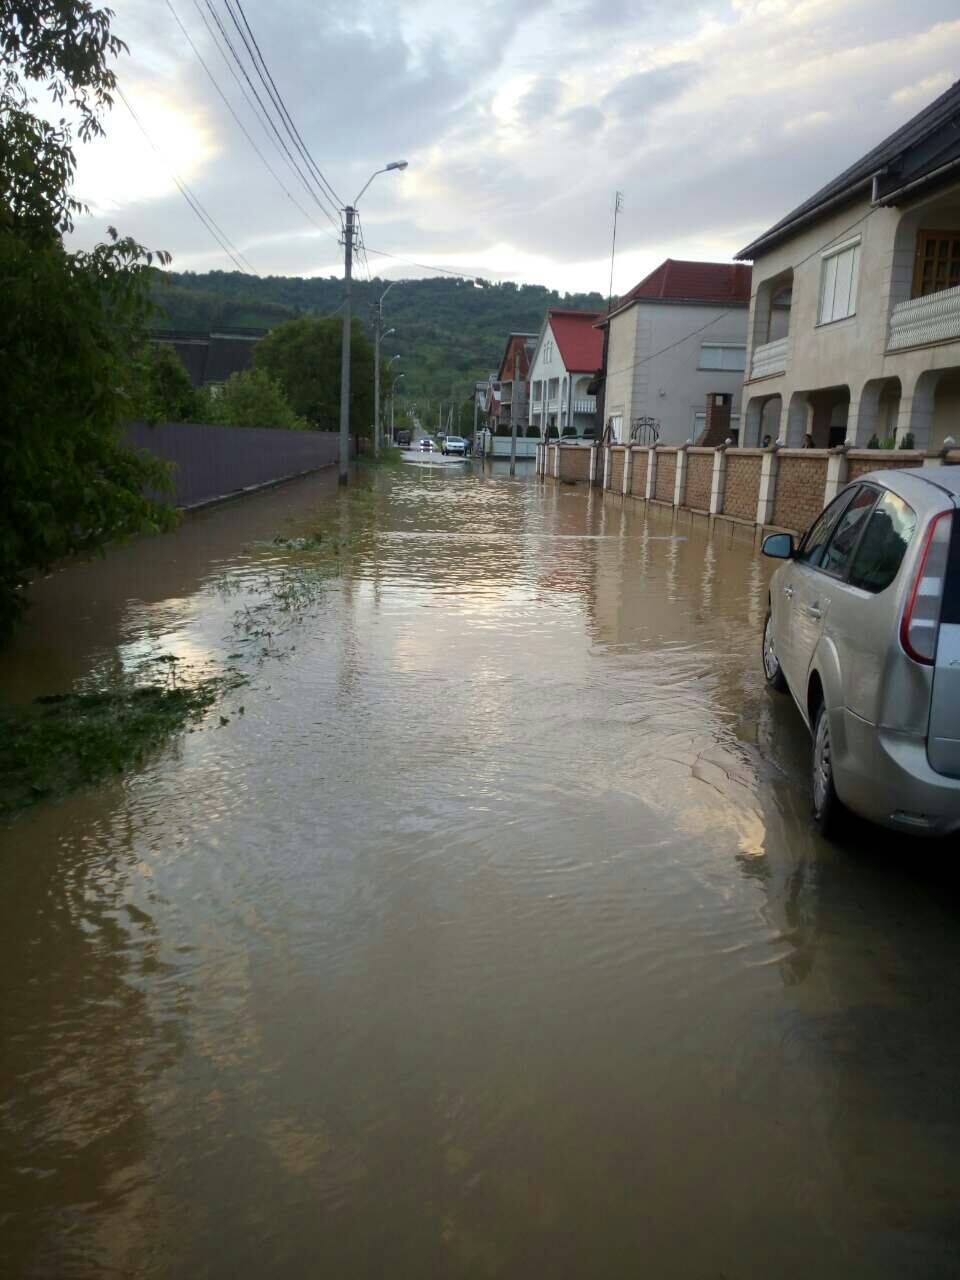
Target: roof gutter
x=766 y=241
x=893 y=196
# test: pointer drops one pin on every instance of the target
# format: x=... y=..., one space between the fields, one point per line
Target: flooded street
x=481 y=932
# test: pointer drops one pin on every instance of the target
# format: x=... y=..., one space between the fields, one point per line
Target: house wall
x=669 y=386
x=852 y=352
x=544 y=371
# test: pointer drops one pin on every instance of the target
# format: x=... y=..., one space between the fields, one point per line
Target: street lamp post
x=396 y=382
x=378 y=337
x=348 y=231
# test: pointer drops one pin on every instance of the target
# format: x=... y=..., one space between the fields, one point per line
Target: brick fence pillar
x=556 y=461
x=607 y=453
x=627 y=470
x=768 y=487
x=718 y=481
x=680 y=481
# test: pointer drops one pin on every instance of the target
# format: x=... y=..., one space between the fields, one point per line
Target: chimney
x=717 y=428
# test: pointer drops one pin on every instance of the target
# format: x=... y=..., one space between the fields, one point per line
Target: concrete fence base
x=214 y=462
x=771 y=488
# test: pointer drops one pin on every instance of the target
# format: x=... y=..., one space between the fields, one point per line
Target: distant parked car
x=863 y=628
x=455 y=444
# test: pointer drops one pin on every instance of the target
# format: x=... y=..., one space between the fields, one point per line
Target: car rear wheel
x=771 y=663
x=828 y=810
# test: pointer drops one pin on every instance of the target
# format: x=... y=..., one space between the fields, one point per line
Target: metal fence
x=213 y=462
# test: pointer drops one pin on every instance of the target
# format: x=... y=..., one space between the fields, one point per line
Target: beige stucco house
x=854 y=326
x=675 y=338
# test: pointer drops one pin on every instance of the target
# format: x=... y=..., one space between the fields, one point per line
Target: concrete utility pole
x=349 y=226
x=513 y=414
x=345 y=347
x=377 y=321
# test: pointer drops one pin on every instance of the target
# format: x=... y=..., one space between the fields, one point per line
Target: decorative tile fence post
x=627 y=471
x=606 y=466
x=768 y=487
x=680 y=480
x=556 y=461
x=718 y=482
x=651 y=488
x=836 y=475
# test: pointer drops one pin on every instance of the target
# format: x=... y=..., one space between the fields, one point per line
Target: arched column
x=751 y=419
x=916 y=408
x=794 y=419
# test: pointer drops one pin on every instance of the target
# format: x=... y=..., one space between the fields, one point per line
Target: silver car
x=863 y=628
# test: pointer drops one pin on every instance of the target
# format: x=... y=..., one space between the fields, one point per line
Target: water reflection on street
x=491 y=938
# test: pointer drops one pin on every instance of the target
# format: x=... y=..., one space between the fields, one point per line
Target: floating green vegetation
x=59 y=743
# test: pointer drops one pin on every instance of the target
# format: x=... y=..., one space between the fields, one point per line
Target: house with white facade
x=565 y=365
x=677 y=337
x=854 y=329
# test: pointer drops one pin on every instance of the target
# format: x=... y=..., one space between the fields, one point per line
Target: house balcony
x=553 y=404
x=770 y=358
x=921 y=321
x=586 y=404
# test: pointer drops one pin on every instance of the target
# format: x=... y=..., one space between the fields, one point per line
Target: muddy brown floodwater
x=491 y=938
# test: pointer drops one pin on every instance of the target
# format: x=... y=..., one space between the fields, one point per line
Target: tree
x=163 y=390
x=252 y=398
x=304 y=357
x=71 y=323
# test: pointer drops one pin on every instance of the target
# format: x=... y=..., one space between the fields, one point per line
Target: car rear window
x=884 y=544
x=950 y=610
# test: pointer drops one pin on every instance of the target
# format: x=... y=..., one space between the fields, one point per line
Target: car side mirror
x=778 y=545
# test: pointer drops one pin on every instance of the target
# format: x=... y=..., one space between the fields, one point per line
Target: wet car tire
x=772 y=671
x=828 y=810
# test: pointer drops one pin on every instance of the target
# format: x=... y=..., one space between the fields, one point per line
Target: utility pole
x=476 y=411
x=345 y=347
x=513 y=414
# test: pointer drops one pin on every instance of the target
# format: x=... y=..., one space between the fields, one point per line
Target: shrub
x=251 y=398
x=908 y=441
x=533 y=433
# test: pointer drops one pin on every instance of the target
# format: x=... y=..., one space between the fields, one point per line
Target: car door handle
x=788 y=591
x=814 y=612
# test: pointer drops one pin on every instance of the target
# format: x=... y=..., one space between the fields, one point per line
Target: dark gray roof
x=211 y=357
x=937 y=124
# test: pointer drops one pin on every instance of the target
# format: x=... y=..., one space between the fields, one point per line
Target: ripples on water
x=489 y=940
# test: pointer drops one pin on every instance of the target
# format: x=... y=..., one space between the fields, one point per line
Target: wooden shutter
x=938 y=262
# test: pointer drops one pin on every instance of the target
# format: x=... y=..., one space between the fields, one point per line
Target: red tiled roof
x=678 y=281
x=581 y=345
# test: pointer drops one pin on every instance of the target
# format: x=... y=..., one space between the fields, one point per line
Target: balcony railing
x=587 y=404
x=934 y=318
x=770 y=358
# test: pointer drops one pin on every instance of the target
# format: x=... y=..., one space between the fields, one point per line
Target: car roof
x=918 y=484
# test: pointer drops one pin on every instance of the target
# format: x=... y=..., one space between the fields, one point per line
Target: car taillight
x=921 y=618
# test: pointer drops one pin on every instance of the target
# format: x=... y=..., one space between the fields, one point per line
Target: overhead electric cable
x=230 y=249
x=265 y=114
x=243 y=128
x=278 y=99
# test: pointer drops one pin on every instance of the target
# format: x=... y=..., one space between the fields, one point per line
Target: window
x=723 y=355
x=538 y=391
x=938 y=262
x=838 y=282
x=553 y=387
x=811 y=548
x=548 y=353
x=884 y=544
x=849 y=527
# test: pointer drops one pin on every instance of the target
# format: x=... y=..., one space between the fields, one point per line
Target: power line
x=229 y=105
x=230 y=249
x=423 y=266
x=302 y=146
x=264 y=114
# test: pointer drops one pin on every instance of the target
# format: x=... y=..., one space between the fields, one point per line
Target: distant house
x=514 y=395
x=854 y=330
x=210 y=358
x=566 y=362
x=677 y=337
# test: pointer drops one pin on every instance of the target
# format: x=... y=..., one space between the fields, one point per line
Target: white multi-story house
x=677 y=337
x=854 y=330
x=566 y=363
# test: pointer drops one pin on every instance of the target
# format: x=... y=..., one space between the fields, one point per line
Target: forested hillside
x=450 y=332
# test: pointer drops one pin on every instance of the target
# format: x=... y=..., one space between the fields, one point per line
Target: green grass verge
x=60 y=743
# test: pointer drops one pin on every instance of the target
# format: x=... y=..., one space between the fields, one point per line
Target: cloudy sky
x=519 y=121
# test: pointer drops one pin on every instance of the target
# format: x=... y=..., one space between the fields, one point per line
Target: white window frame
x=721 y=347
x=700 y=421
x=830 y=266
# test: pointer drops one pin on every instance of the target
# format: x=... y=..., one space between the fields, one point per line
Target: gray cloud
x=638 y=93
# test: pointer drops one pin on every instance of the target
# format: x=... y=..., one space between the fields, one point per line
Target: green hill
x=450 y=332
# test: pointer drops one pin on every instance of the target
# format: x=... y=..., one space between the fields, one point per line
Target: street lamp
x=348 y=230
x=396 y=382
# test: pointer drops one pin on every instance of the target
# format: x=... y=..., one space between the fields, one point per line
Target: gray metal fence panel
x=213 y=462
